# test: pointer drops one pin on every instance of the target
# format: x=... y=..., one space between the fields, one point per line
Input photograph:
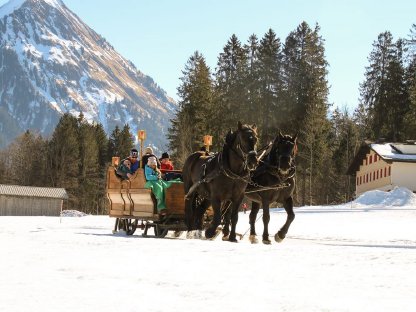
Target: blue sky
x=159 y=36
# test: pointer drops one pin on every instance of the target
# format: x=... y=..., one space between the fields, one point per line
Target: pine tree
x=120 y=142
x=384 y=92
x=230 y=90
x=114 y=143
x=25 y=160
x=64 y=158
x=102 y=144
x=88 y=178
x=126 y=140
x=305 y=96
x=251 y=113
x=192 y=121
x=410 y=118
x=270 y=81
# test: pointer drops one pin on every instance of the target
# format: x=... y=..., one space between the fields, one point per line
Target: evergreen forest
x=278 y=85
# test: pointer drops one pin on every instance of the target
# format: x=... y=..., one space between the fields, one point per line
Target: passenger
x=128 y=166
x=154 y=182
x=148 y=152
x=166 y=166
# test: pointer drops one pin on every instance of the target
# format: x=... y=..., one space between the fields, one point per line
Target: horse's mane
x=231 y=135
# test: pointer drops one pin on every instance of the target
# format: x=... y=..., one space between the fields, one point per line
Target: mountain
x=52 y=63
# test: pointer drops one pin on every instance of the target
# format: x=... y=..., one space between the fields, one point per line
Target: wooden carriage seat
x=141 y=197
x=117 y=200
x=175 y=199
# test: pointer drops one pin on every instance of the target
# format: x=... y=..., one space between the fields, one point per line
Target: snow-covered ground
x=355 y=257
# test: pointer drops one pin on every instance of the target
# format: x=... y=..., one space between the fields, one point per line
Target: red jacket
x=166 y=166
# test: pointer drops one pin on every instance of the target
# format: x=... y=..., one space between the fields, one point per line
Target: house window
x=377 y=175
x=389 y=170
x=374 y=175
x=366 y=178
x=357 y=180
x=371 y=159
x=375 y=158
x=360 y=180
x=385 y=171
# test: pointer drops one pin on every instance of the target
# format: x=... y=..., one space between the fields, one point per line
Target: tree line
x=276 y=85
x=283 y=86
x=76 y=158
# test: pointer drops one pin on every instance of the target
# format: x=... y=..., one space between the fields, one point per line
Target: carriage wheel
x=159 y=232
x=116 y=225
x=120 y=224
x=131 y=226
x=162 y=233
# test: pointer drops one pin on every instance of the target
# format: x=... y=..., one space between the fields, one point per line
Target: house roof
x=32 y=191
x=390 y=152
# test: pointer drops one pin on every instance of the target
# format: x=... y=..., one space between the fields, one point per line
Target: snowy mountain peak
x=10 y=7
x=13 y=5
x=51 y=63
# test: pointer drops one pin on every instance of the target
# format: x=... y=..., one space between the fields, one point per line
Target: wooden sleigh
x=130 y=202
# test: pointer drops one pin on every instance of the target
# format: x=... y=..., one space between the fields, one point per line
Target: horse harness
x=206 y=178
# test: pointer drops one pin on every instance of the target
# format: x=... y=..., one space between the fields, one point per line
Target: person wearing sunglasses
x=129 y=165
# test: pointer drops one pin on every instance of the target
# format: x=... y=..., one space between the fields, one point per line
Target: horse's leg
x=288 y=205
x=234 y=218
x=226 y=215
x=266 y=220
x=189 y=217
x=253 y=216
x=199 y=216
x=216 y=206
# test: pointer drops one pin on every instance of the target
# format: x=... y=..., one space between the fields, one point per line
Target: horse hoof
x=209 y=233
x=277 y=238
x=225 y=237
x=233 y=240
x=253 y=239
x=266 y=241
x=190 y=235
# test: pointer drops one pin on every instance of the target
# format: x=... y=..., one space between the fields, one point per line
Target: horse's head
x=283 y=152
x=243 y=142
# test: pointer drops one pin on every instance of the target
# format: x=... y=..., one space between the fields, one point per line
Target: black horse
x=273 y=181
x=219 y=179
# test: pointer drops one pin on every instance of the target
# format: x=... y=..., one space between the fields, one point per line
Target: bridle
x=274 y=169
x=243 y=155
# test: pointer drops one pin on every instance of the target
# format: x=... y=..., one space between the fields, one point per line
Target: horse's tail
x=188 y=183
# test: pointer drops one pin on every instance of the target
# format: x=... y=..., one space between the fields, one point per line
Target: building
x=18 y=200
x=382 y=166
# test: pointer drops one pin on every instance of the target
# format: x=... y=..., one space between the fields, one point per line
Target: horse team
x=222 y=180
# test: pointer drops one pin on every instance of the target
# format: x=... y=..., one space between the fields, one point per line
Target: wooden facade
x=18 y=200
x=384 y=166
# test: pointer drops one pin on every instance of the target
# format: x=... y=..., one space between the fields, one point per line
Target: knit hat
x=151 y=161
x=148 y=150
x=165 y=155
x=134 y=153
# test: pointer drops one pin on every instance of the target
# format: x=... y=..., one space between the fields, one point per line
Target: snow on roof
x=32 y=191
x=393 y=151
x=399 y=196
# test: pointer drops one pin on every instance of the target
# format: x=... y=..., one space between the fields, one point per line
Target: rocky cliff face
x=52 y=63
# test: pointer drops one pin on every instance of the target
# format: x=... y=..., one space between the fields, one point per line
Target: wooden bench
x=129 y=197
